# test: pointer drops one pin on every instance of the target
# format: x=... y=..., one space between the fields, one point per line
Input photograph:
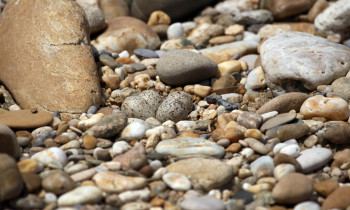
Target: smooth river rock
x=189 y=147
x=181 y=67
x=81 y=195
x=47 y=62
x=10 y=178
x=296 y=61
x=314 y=158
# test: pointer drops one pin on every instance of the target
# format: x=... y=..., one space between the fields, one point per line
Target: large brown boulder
x=46 y=58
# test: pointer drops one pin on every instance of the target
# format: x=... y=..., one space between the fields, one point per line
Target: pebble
x=175 y=107
x=10 y=178
x=112 y=182
x=326 y=187
x=182 y=67
x=291 y=149
x=175 y=31
x=203 y=32
x=336 y=132
x=158 y=18
x=94 y=16
x=257 y=146
x=177 y=181
x=134 y=158
x=49 y=155
x=283 y=9
x=135 y=130
x=203 y=173
x=249 y=120
x=24 y=119
x=189 y=147
x=229 y=67
x=314 y=158
x=108 y=126
x=307 y=205
x=331 y=108
x=283 y=169
x=204 y=203
x=288 y=131
x=278 y=120
x=256 y=79
x=306 y=49
x=263 y=162
x=119 y=147
x=145 y=53
x=58 y=182
x=292 y=188
x=32 y=181
x=81 y=195
x=8 y=142
x=29 y=202
x=284 y=103
x=338 y=199
x=229 y=105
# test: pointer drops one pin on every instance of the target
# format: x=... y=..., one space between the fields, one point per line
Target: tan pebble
x=110 y=78
x=62 y=139
x=209 y=114
x=326 y=187
x=189 y=134
x=331 y=108
x=125 y=60
x=88 y=183
x=158 y=18
x=232 y=134
x=143 y=82
x=201 y=91
x=228 y=67
x=28 y=166
x=89 y=142
x=224 y=119
x=234 y=148
x=244 y=65
x=189 y=89
x=212 y=106
x=260 y=187
x=123 y=84
x=155 y=202
x=269 y=180
x=253 y=133
x=221 y=39
x=234 y=29
x=244 y=173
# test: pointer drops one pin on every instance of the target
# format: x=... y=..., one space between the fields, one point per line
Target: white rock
x=269 y=115
x=277 y=148
x=130 y=196
x=81 y=195
x=155 y=164
x=186 y=125
x=158 y=174
x=256 y=79
x=35 y=133
x=189 y=25
x=314 y=158
x=292 y=150
x=260 y=163
x=124 y=54
x=189 y=147
x=50 y=197
x=88 y=123
x=177 y=181
x=282 y=169
x=307 y=205
x=119 y=147
x=135 y=130
x=335 y=18
x=157 y=131
x=52 y=154
x=247 y=152
x=175 y=31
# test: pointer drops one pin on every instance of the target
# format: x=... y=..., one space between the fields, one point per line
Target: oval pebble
x=177 y=181
x=307 y=205
x=314 y=158
x=49 y=155
x=203 y=203
x=81 y=195
x=283 y=169
x=260 y=163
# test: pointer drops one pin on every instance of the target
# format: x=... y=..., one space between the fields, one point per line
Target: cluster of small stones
x=201 y=121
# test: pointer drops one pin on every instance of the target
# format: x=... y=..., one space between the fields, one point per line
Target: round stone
x=263 y=162
x=342 y=85
x=58 y=182
x=203 y=173
x=292 y=188
x=182 y=67
x=10 y=178
x=309 y=205
x=49 y=155
x=135 y=130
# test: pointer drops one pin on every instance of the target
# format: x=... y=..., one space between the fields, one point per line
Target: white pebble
x=185 y=125
x=269 y=115
x=135 y=130
x=81 y=195
x=247 y=152
x=292 y=150
x=124 y=54
x=260 y=163
x=283 y=169
x=158 y=174
x=175 y=31
x=119 y=147
x=177 y=181
x=155 y=164
x=50 y=197
x=130 y=196
x=52 y=154
x=307 y=205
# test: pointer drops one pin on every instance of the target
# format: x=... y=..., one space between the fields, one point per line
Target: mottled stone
x=278 y=120
x=307 y=61
x=135 y=158
x=109 y=126
x=203 y=173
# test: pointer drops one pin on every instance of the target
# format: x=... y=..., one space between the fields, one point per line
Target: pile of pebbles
x=245 y=106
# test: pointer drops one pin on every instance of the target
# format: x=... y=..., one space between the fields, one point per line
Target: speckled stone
x=175 y=107
x=181 y=67
x=109 y=126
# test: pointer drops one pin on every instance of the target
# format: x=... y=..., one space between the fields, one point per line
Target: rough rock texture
x=176 y=9
x=295 y=61
x=126 y=33
x=46 y=60
x=335 y=18
x=178 y=67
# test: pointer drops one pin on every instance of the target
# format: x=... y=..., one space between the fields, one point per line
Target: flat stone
x=278 y=120
x=333 y=108
x=284 y=103
x=281 y=158
x=314 y=158
x=293 y=188
x=8 y=142
x=126 y=33
x=181 y=67
x=203 y=173
x=338 y=199
x=288 y=131
x=24 y=119
x=203 y=203
x=10 y=178
x=112 y=182
x=81 y=195
x=55 y=44
x=109 y=126
x=307 y=61
x=333 y=19
x=189 y=147
x=58 y=182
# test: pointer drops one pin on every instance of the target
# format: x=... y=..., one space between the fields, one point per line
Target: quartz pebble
x=177 y=181
x=49 y=155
